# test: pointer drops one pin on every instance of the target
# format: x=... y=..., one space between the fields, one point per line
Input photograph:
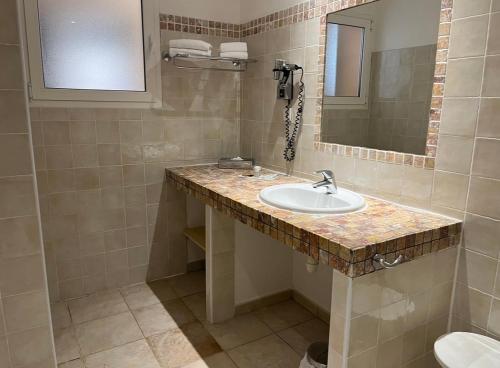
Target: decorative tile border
x=312 y=235
x=427 y=161
x=199 y=26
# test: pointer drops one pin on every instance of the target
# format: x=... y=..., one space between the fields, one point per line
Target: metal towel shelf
x=237 y=65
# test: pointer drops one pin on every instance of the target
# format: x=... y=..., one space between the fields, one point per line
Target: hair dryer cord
x=291 y=134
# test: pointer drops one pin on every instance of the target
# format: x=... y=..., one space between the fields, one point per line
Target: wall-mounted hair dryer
x=283 y=73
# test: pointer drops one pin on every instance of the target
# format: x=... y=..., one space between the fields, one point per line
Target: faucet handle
x=327 y=174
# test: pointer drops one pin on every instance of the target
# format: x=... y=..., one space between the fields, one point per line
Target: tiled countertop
x=345 y=242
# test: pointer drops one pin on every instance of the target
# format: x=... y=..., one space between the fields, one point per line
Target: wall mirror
x=379 y=73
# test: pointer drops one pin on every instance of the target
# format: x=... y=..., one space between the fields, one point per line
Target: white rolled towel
x=176 y=51
x=233 y=47
x=235 y=55
x=190 y=44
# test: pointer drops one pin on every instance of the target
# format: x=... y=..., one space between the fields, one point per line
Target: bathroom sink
x=304 y=198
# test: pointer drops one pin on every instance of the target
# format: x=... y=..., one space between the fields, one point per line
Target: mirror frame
x=420 y=161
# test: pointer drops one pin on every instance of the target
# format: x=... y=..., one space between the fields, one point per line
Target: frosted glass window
x=344 y=60
x=92 y=44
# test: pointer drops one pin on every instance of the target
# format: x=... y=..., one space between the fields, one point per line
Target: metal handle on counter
x=381 y=260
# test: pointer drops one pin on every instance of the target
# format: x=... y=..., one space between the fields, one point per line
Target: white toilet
x=467 y=350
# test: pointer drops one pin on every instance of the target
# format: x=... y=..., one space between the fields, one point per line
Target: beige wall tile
x=414 y=343
x=71 y=289
x=132 y=153
x=16 y=197
x=472 y=306
x=484 y=197
x=32 y=348
x=83 y=132
x=459 y=116
x=312 y=32
x=87 y=178
x=135 y=196
x=54 y=114
x=79 y=114
x=494 y=321
x=130 y=132
x=390 y=353
x=389 y=178
x=136 y=236
x=450 y=190
x=4 y=353
x=392 y=321
x=417 y=184
x=417 y=310
x=85 y=155
x=109 y=154
x=468 y=37
x=467 y=8
x=491 y=83
x=454 y=154
x=60 y=180
x=463 y=78
x=20 y=237
x=278 y=40
x=110 y=176
x=138 y=256
x=108 y=131
x=12 y=112
x=136 y=216
x=68 y=269
x=59 y=157
x=481 y=234
x=8 y=25
x=485 y=158
x=489 y=118
x=56 y=132
x=477 y=271
x=23 y=274
x=494 y=38
x=10 y=64
x=363 y=333
x=16 y=148
x=133 y=174
x=18 y=308
x=495 y=6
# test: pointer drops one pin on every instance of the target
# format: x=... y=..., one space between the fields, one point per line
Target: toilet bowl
x=467 y=350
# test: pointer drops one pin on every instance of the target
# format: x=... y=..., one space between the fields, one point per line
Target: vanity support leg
x=220 y=245
x=340 y=318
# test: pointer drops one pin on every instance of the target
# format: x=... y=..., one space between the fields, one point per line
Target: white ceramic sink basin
x=304 y=198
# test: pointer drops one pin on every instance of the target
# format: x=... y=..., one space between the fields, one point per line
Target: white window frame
x=42 y=96
x=361 y=102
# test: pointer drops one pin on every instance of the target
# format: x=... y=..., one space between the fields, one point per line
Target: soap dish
x=230 y=163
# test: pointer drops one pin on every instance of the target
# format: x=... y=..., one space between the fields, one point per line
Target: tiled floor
x=162 y=325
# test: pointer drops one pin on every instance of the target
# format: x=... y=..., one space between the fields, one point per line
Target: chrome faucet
x=328 y=181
